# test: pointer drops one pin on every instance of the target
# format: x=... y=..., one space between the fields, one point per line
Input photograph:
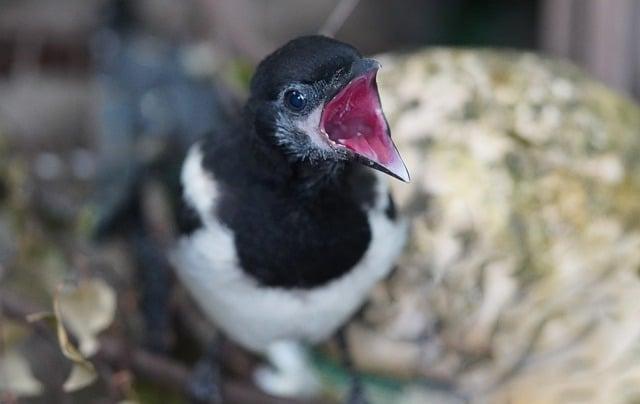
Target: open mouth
x=353 y=120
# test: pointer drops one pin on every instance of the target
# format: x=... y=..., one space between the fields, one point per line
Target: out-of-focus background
x=95 y=94
x=52 y=51
x=73 y=72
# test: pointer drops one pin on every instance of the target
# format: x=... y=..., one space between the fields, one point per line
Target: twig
x=338 y=16
x=159 y=369
x=166 y=372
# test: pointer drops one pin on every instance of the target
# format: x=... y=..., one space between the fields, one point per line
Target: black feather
x=296 y=223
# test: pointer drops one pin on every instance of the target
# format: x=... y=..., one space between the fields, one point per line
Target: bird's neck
x=307 y=177
x=312 y=178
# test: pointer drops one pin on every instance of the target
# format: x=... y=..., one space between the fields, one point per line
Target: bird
x=286 y=219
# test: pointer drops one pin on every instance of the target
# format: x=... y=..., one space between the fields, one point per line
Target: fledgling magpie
x=285 y=226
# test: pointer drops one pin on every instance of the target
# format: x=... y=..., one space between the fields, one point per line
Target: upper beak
x=353 y=120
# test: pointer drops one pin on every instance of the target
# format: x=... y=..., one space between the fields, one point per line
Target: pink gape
x=354 y=119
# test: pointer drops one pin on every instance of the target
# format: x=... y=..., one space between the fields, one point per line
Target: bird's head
x=317 y=99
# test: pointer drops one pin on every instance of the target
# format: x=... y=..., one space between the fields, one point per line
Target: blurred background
x=94 y=93
x=75 y=74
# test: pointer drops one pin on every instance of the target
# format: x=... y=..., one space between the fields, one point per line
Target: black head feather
x=316 y=100
x=315 y=68
x=307 y=60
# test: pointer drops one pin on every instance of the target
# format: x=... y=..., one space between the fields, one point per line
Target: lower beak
x=353 y=120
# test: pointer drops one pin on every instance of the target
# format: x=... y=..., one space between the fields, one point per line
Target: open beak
x=353 y=121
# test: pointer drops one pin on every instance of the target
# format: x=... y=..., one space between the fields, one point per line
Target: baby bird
x=285 y=225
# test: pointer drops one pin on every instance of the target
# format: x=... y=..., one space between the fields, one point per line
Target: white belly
x=257 y=316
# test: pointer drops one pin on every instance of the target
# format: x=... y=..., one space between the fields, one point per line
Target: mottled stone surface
x=521 y=282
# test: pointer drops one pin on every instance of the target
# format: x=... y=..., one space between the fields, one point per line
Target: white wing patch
x=199 y=187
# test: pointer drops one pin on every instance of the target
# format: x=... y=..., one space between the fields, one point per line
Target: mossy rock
x=520 y=283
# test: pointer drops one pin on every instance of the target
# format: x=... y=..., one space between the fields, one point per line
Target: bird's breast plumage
x=253 y=308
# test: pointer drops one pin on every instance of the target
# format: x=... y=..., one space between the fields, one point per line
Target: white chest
x=256 y=316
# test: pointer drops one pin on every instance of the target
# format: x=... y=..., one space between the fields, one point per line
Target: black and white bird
x=287 y=220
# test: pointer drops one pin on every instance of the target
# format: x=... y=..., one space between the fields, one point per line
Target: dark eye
x=295 y=100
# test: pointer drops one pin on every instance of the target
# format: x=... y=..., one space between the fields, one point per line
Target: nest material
x=521 y=280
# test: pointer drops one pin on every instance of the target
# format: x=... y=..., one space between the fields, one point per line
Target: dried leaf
x=16 y=376
x=87 y=310
x=79 y=378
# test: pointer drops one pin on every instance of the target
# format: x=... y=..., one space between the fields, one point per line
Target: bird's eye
x=295 y=100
